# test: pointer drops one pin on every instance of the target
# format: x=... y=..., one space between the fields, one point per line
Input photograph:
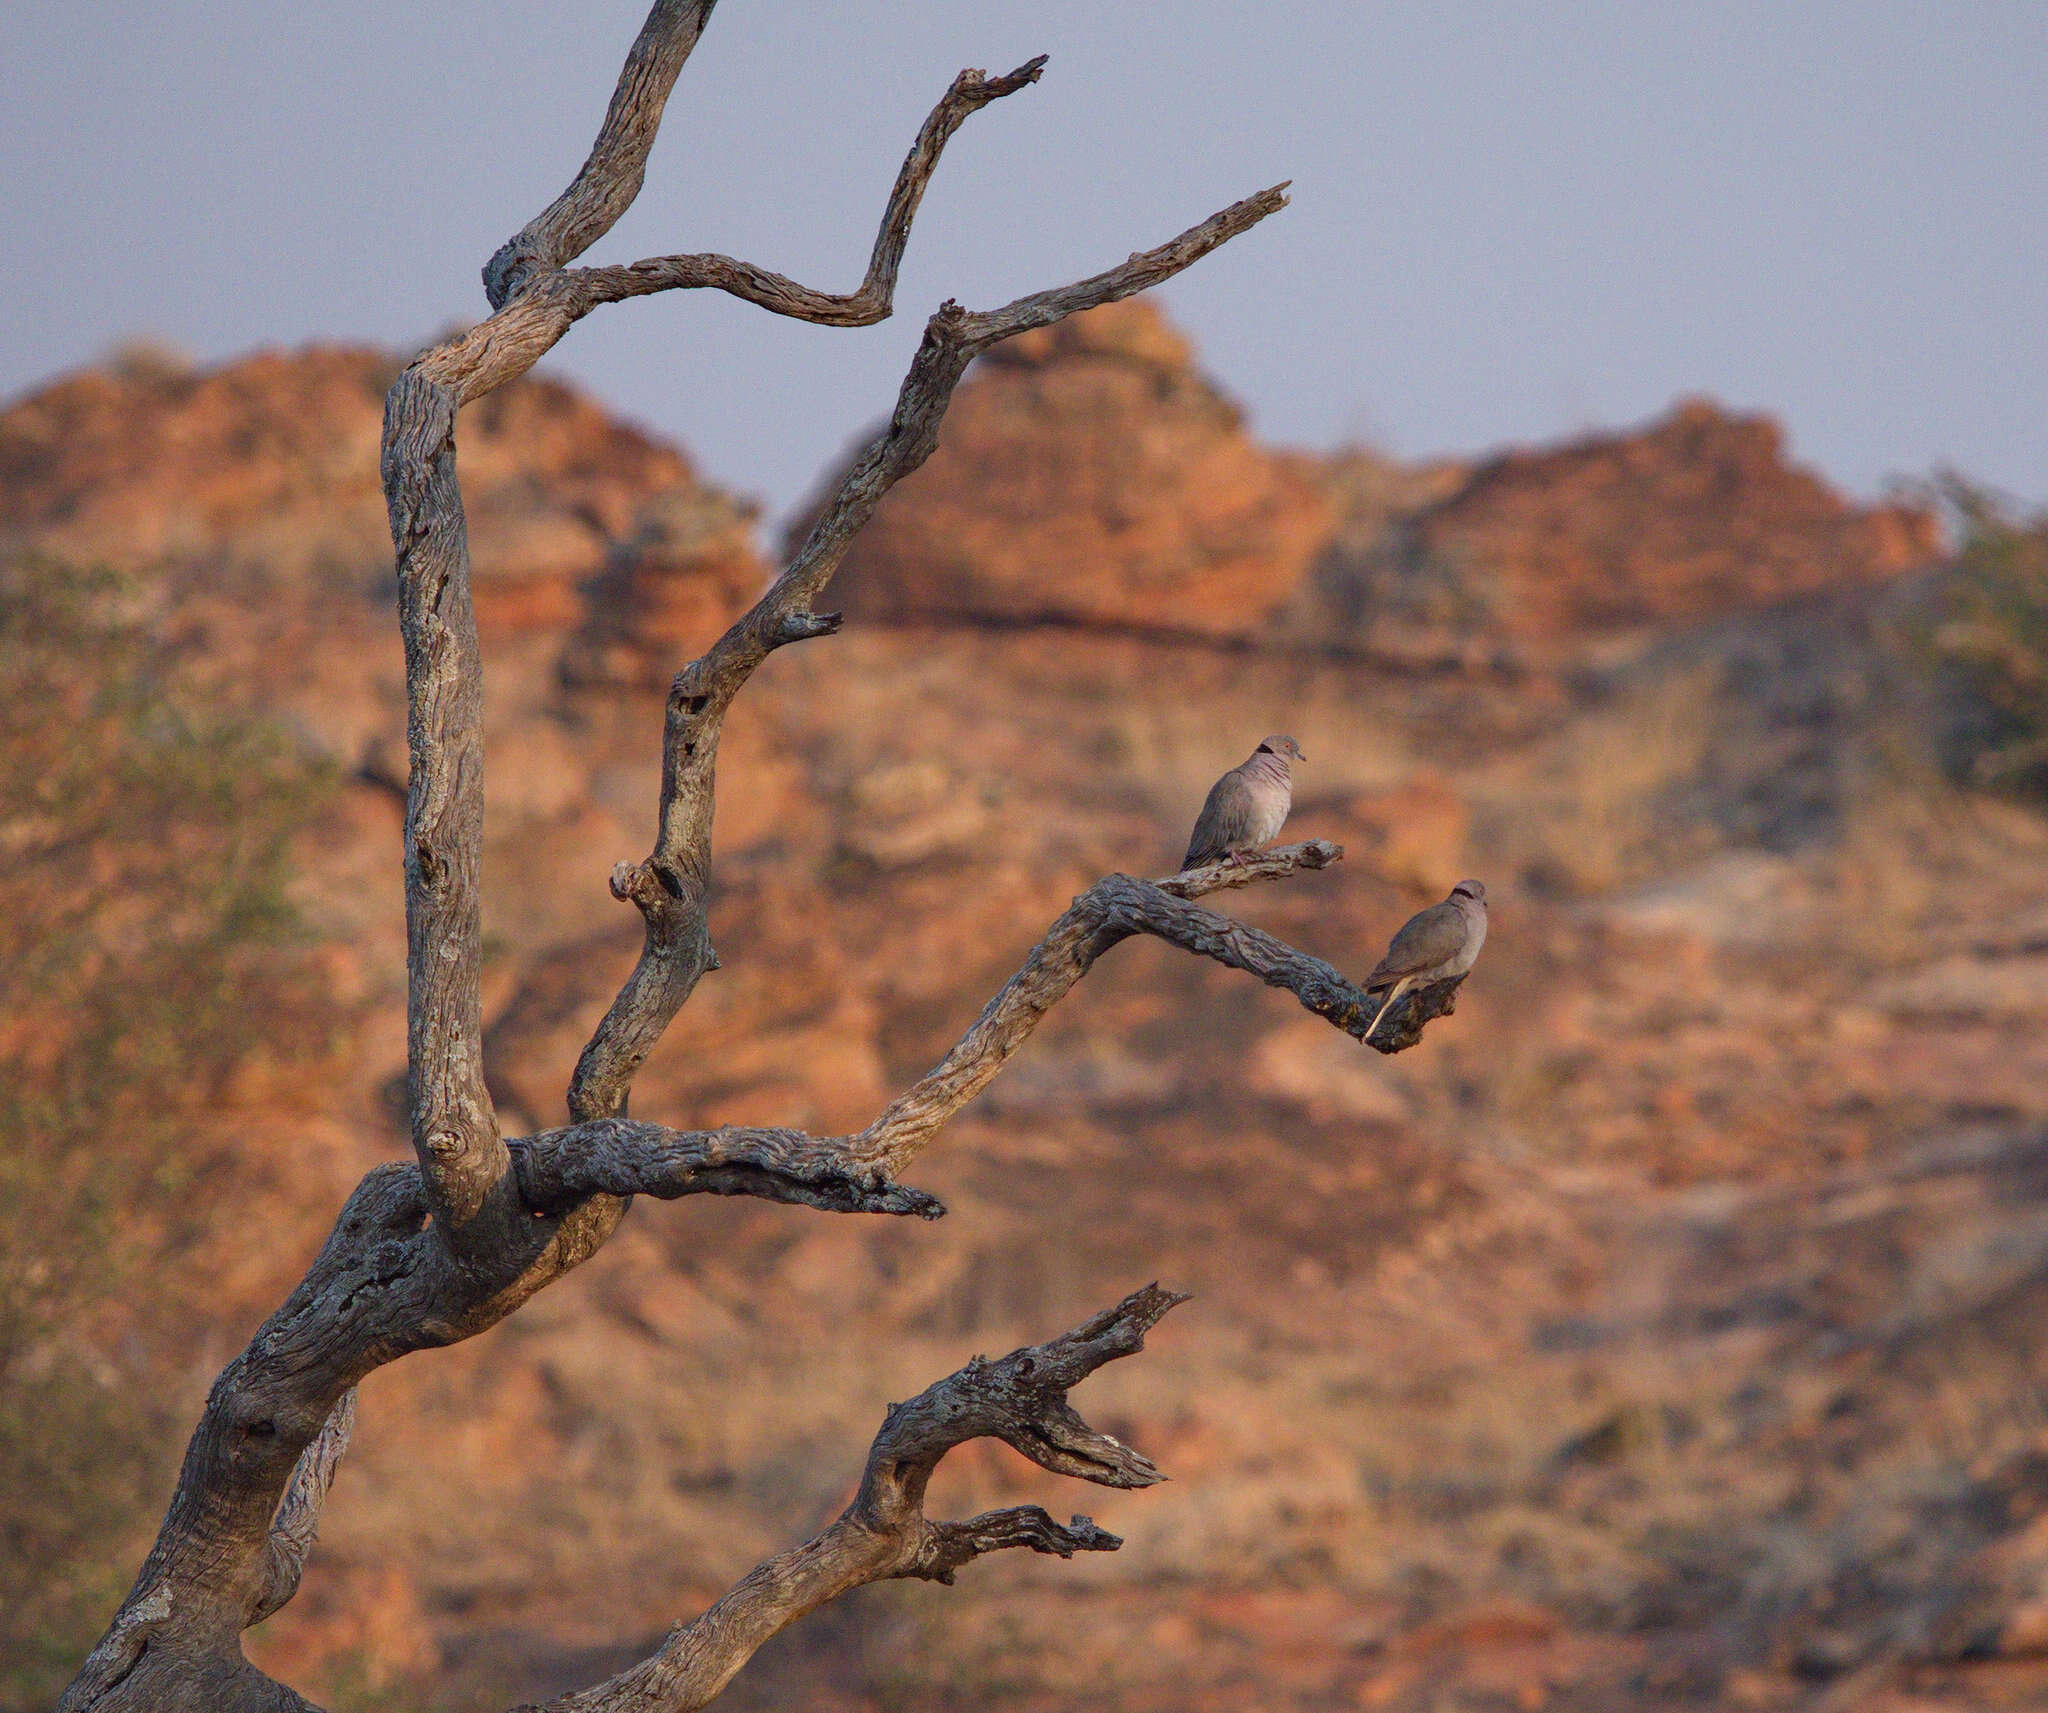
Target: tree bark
x=438 y=1249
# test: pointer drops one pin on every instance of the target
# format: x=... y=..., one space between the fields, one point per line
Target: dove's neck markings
x=1265 y=765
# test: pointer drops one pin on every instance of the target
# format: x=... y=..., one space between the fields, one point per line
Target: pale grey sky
x=1511 y=221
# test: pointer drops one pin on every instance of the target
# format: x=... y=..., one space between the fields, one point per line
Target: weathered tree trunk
x=440 y=1248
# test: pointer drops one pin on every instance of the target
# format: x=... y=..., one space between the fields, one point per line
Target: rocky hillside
x=1662 y=1333
x=1539 y=556
x=1093 y=476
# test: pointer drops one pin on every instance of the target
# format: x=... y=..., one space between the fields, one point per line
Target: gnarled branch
x=431 y=1252
x=454 y=1127
x=611 y=175
x=586 y=288
x=670 y=887
x=558 y=1169
x=1108 y=913
x=855 y=1173
x=536 y=300
x=948 y=1546
x=884 y=1533
x=534 y=305
x=1409 y=1015
x=297 y=1524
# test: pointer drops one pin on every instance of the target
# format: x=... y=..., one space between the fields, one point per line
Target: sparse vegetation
x=1989 y=640
x=144 y=957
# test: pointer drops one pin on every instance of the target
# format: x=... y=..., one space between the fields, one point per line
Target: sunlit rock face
x=264 y=470
x=1090 y=474
x=1505 y=1353
x=1538 y=556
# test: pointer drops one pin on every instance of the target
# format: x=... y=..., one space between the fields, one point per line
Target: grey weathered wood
x=1109 y=912
x=435 y=1250
x=558 y=1169
x=670 y=886
x=610 y=178
x=297 y=1523
x=454 y=1130
x=872 y=301
x=622 y=1157
x=884 y=1533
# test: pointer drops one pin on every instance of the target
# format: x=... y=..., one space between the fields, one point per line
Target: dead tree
x=438 y=1249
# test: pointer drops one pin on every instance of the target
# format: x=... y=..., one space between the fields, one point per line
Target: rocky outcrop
x=1509 y=1351
x=1538 y=555
x=1090 y=474
x=267 y=467
x=684 y=573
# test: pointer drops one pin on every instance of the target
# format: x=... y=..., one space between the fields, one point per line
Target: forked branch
x=586 y=288
x=536 y=301
x=856 y=1173
x=611 y=175
x=671 y=885
x=884 y=1533
x=431 y=1252
x=1107 y=914
x=463 y=1161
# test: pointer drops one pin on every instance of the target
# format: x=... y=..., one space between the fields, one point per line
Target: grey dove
x=1246 y=807
x=1433 y=945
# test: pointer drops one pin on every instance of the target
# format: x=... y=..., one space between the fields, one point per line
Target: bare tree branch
x=586 y=288
x=1108 y=913
x=1021 y=1400
x=558 y=1169
x=454 y=1127
x=545 y=302
x=610 y=178
x=386 y=1284
x=884 y=1533
x=850 y=1174
x=853 y=1173
x=455 y=1134
x=670 y=886
x=435 y=1251
x=298 y=1519
x=951 y=1545
x=462 y=1158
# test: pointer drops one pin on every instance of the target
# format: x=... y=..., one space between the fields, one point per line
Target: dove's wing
x=1226 y=821
x=1428 y=938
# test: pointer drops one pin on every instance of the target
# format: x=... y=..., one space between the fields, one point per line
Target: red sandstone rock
x=1419 y=1279
x=1090 y=474
x=1536 y=554
x=269 y=465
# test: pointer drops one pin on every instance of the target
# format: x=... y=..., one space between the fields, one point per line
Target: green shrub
x=1989 y=638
